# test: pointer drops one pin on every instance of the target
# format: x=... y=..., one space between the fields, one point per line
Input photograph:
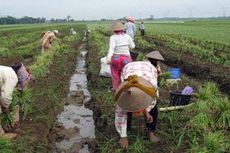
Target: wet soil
x=195 y=67
x=48 y=100
x=9 y=61
x=106 y=135
x=75 y=125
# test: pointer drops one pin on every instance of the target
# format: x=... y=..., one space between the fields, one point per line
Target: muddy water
x=75 y=125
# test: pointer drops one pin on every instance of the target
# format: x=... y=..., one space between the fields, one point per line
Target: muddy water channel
x=75 y=125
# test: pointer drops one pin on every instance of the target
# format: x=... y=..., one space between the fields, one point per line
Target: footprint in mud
x=75 y=98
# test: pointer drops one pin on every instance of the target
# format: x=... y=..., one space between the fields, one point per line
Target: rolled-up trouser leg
x=121 y=121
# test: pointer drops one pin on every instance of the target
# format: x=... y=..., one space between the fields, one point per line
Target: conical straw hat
x=155 y=55
x=117 y=26
x=134 y=99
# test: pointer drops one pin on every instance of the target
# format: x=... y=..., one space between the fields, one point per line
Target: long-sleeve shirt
x=120 y=44
x=142 y=27
x=142 y=69
x=8 y=81
x=48 y=39
x=131 y=29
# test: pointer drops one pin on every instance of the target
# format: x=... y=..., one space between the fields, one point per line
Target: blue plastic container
x=175 y=73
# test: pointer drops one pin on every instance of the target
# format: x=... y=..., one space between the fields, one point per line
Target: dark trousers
x=150 y=126
x=142 y=32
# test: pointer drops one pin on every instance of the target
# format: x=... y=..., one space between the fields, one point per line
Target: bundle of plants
x=208 y=121
x=23 y=100
x=9 y=120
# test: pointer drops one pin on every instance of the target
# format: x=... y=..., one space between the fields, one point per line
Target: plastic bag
x=187 y=90
x=105 y=68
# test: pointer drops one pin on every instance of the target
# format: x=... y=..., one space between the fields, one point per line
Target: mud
x=106 y=135
x=75 y=125
x=195 y=67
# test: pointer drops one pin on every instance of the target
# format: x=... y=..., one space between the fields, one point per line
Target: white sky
x=112 y=9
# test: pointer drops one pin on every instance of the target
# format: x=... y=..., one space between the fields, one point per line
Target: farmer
x=118 y=55
x=142 y=29
x=138 y=93
x=72 y=31
x=130 y=26
x=87 y=33
x=47 y=39
x=11 y=77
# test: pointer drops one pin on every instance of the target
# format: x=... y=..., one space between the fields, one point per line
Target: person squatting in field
x=72 y=31
x=118 y=55
x=130 y=27
x=47 y=39
x=138 y=93
x=10 y=77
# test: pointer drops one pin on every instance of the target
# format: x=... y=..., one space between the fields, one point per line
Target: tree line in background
x=30 y=20
x=23 y=20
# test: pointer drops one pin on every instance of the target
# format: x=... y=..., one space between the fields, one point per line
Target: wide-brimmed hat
x=155 y=55
x=130 y=18
x=117 y=26
x=55 y=32
x=131 y=96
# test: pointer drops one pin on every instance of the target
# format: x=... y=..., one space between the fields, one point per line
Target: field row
x=200 y=128
x=43 y=100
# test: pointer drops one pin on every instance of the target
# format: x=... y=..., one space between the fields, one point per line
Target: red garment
x=119 y=32
x=117 y=64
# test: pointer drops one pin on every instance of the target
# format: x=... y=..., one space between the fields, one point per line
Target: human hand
x=5 y=110
x=149 y=118
x=124 y=143
x=28 y=69
x=108 y=61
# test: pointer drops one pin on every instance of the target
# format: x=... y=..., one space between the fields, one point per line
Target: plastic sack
x=105 y=68
x=187 y=90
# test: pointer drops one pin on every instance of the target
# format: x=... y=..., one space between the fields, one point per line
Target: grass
x=6 y=146
x=44 y=99
x=191 y=130
x=203 y=30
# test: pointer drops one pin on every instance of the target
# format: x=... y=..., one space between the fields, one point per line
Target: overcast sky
x=112 y=9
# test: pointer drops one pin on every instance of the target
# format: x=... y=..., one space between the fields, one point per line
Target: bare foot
x=124 y=143
x=153 y=138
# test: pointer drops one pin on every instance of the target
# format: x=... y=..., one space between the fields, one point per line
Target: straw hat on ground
x=130 y=18
x=132 y=98
x=117 y=26
x=155 y=55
